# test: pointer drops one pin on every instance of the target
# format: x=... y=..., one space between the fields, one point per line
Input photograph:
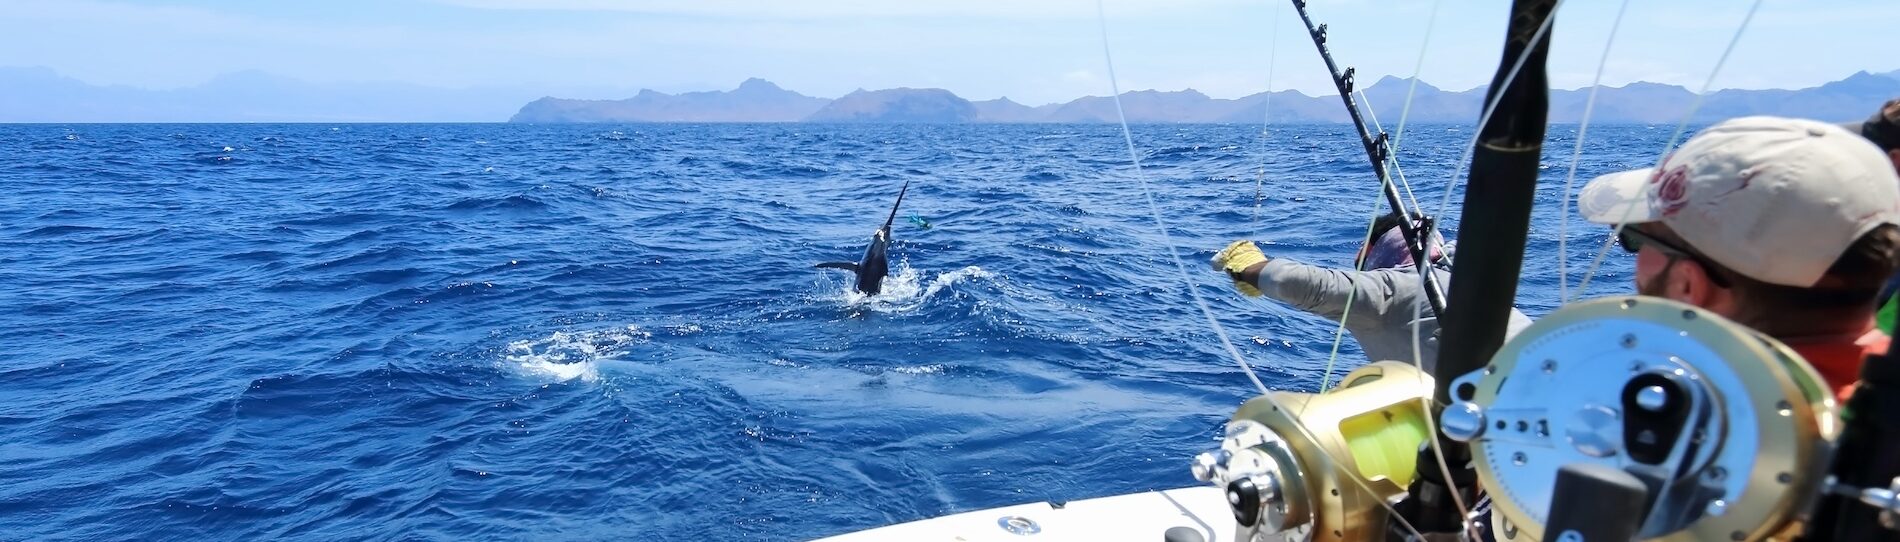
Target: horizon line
x=1895 y=74
x=790 y=122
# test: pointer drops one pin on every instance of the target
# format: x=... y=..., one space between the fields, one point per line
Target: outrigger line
x=1266 y=121
x=1378 y=150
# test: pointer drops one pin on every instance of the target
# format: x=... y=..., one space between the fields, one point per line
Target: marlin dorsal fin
x=900 y=201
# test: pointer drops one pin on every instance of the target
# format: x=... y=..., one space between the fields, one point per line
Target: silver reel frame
x=1751 y=455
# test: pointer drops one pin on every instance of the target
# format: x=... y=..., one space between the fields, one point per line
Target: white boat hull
x=1137 y=516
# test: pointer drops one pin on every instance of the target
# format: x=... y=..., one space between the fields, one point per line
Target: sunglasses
x=1635 y=240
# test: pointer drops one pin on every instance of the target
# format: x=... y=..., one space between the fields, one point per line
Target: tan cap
x=1775 y=199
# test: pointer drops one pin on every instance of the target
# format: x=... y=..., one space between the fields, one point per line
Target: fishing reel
x=1299 y=466
x=1628 y=410
x=1662 y=417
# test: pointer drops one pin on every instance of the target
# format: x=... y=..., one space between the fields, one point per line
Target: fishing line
x=1516 y=67
x=1392 y=160
x=1339 y=333
x=1576 y=156
x=1155 y=210
x=1193 y=291
x=1681 y=127
x=1419 y=305
x=1542 y=31
x=1378 y=151
x=1392 y=157
x=1266 y=120
x=1444 y=205
x=1431 y=22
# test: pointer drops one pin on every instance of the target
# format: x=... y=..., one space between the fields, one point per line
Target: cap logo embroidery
x=1672 y=189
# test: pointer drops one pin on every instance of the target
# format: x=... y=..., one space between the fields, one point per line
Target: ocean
x=578 y=332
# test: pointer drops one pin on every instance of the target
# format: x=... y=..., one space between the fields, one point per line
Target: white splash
x=905 y=291
x=569 y=355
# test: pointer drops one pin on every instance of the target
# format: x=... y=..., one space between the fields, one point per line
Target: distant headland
x=757 y=100
x=38 y=94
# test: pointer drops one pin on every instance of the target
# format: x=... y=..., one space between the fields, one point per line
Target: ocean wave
x=518 y=202
x=63 y=230
x=905 y=289
x=569 y=355
x=351 y=330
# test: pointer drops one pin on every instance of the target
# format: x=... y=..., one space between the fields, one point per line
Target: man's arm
x=1326 y=292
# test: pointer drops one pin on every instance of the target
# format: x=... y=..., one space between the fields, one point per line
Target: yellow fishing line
x=1384 y=443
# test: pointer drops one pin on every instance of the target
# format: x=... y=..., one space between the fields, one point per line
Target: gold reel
x=1287 y=461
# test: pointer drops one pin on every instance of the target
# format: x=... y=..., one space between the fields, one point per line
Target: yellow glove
x=1236 y=258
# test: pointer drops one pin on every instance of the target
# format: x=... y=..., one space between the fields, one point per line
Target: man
x=1385 y=293
x=1884 y=130
x=1786 y=226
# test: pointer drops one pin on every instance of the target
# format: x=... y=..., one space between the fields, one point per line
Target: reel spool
x=1286 y=466
x=1729 y=429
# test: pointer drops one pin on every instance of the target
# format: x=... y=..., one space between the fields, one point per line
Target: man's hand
x=1235 y=259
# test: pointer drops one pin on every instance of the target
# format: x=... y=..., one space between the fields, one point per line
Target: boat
x=1151 y=515
x=1617 y=418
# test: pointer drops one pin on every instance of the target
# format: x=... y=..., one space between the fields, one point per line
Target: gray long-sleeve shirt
x=1385 y=303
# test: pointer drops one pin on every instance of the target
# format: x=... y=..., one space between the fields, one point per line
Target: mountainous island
x=756 y=100
x=38 y=94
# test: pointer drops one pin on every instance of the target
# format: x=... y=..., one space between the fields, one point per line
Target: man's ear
x=1696 y=287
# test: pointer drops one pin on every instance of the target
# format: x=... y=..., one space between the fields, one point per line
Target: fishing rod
x=1622 y=418
x=1499 y=195
x=1378 y=150
x=1310 y=469
x=1699 y=456
x=1498 y=198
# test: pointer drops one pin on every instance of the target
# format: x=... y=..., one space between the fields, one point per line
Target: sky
x=1032 y=51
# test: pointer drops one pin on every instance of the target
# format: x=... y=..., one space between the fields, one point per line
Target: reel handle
x=1596 y=502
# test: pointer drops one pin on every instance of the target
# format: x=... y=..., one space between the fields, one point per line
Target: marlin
x=872 y=269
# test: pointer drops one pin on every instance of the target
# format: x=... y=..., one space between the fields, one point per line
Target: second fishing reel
x=1660 y=417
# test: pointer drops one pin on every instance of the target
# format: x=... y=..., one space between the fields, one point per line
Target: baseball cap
x=1883 y=128
x=1775 y=199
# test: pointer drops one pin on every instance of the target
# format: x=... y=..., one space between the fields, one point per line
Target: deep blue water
x=580 y=332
